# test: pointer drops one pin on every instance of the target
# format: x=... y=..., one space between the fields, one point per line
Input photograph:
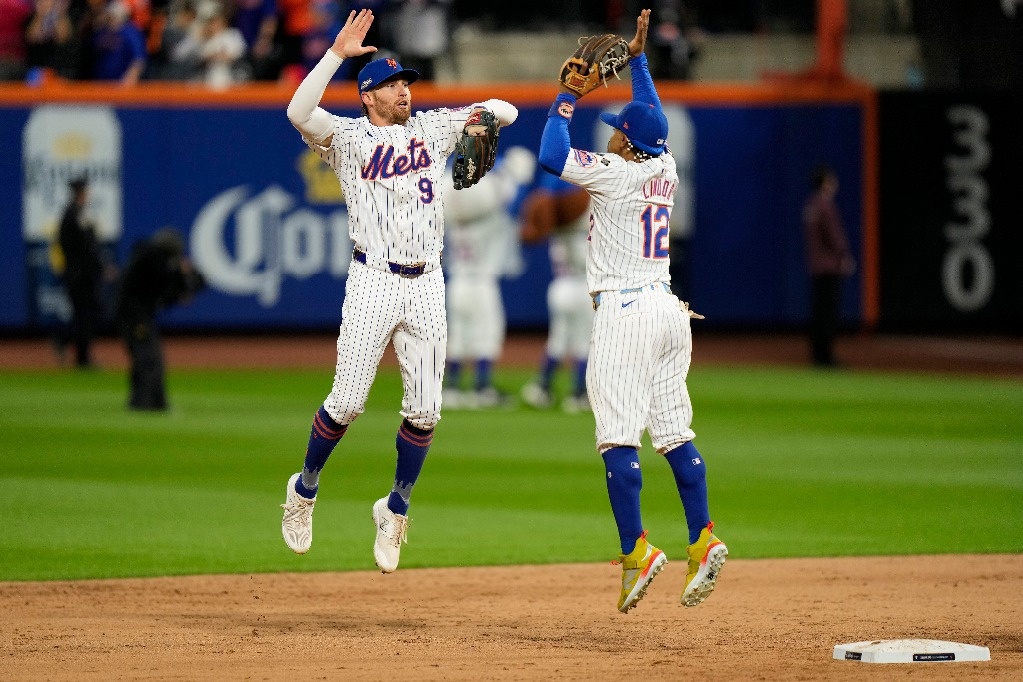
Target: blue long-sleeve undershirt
x=555 y=144
x=642 y=83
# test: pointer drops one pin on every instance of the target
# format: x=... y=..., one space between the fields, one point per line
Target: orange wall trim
x=425 y=94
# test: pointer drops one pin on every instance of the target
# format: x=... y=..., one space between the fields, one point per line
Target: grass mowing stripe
x=801 y=463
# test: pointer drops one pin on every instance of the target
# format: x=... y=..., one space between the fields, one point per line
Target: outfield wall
x=265 y=222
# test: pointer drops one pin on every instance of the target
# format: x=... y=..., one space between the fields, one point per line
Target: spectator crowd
x=222 y=42
x=219 y=42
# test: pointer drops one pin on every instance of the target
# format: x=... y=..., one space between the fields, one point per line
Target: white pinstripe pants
x=636 y=377
x=381 y=308
x=476 y=324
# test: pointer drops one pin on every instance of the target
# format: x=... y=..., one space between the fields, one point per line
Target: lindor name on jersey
x=659 y=187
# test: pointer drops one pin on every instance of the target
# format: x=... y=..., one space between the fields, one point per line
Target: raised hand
x=638 y=43
x=349 y=41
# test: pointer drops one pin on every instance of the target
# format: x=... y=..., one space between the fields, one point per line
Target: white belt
x=656 y=286
x=648 y=288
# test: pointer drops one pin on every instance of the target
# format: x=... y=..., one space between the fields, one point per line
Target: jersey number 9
x=426 y=188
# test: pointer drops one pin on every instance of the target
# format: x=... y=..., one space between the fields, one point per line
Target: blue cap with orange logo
x=643 y=123
x=380 y=70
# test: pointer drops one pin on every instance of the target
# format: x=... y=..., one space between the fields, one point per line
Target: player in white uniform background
x=481 y=247
x=642 y=343
x=560 y=212
x=390 y=165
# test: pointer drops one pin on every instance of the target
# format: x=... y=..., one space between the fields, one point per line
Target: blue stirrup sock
x=547 y=369
x=412 y=443
x=484 y=373
x=624 y=481
x=691 y=478
x=453 y=374
x=579 y=378
x=323 y=436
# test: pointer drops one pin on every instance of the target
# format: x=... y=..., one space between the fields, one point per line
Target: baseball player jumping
x=390 y=166
x=641 y=345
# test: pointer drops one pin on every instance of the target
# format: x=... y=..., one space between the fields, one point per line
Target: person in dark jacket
x=828 y=260
x=158 y=275
x=83 y=273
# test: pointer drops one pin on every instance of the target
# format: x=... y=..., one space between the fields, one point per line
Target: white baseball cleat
x=536 y=396
x=486 y=398
x=297 y=525
x=391 y=532
x=452 y=398
x=575 y=404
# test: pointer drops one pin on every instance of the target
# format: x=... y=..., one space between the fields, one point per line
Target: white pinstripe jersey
x=630 y=206
x=568 y=248
x=391 y=177
x=479 y=228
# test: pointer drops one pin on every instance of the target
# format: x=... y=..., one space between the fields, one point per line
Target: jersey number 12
x=655 y=231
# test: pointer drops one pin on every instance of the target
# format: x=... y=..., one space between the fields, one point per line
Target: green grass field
x=800 y=463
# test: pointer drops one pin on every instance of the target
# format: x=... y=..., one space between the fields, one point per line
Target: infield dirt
x=769 y=619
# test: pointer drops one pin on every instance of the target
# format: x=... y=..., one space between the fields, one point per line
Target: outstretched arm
x=555 y=144
x=505 y=112
x=642 y=84
x=304 y=111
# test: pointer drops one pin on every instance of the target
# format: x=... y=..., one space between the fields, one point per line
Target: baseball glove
x=476 y=149
x=590 y=65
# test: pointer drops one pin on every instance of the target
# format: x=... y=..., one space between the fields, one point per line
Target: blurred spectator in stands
x=86 y=17
x=13 y=14
x=178 y=58
x=376 y=36
x=119 y=50
x=296 y=22
x=828 y=260
x=50 y=38
x=422 y=34
x=223 y=50
x=675 y=40
x=159 y=17
x=326 y=26
x=257 y=21
x=140 y=12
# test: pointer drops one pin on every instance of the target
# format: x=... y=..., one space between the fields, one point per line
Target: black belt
x=396 y=268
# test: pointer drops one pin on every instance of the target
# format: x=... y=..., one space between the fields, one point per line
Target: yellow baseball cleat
x=706 y=557
x=638 y=570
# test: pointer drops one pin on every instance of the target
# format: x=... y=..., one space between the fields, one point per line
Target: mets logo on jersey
x=566 y=110
x=585 y=159
x=385 y=163
x=392 y=63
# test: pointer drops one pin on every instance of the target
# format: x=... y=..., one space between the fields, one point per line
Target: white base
x=910 y=651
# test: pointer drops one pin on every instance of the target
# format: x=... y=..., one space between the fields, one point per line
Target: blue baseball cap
x=643 y=123
x=380 y=70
